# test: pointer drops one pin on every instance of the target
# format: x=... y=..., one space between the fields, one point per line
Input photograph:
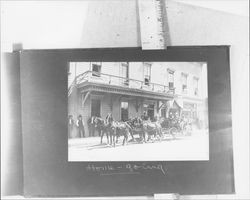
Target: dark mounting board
x=47 y=172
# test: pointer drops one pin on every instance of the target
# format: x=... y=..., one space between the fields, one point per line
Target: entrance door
x=96 y=107
x=151 y=111
x=124 y=110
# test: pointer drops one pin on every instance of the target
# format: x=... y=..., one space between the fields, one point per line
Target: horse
x=136 y=128
x=152 y=128
x=92 y=126
x=118 y=129
x=104 y=128
x=121 y=129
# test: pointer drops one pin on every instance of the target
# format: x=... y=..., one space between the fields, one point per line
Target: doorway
x=96 y=107
x=149 y=109
x=124 y=111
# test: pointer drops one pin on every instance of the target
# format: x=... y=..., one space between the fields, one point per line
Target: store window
x=148 y=108
x=190 y=110
x=163 y=112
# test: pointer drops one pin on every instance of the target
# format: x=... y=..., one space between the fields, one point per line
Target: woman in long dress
x=72 y=129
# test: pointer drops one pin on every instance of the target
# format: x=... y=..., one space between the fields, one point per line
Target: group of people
x=76 y=129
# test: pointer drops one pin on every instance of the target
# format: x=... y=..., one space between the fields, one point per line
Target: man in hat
x=80 y=126
x=91 y=125
x=144 y=116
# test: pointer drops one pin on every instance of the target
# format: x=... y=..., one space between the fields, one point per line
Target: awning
x=179 y=102
x=97 y=87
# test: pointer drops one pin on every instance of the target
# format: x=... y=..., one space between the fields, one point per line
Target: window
x=190 y=110
x=170 y=78
x=163 y=112
x=147 y=73
x=149 y=109
x=96 y=68
x=124 y=110
x=196 y=83
x=184 y=82
x=96 y=107
x=125 y=73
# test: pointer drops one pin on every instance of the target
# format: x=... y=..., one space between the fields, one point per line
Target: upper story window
x=184 y=82
x=125 y=73
x=196 y=86
x=96 y=68
x=170 y=78
x=147 y=73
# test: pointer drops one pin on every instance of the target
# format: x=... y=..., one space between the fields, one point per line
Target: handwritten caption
x=130 y=168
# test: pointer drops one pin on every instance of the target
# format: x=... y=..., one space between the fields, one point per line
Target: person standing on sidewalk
x=80 y=127
x=70 y=126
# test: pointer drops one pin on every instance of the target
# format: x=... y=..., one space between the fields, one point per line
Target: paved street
x=194 y=147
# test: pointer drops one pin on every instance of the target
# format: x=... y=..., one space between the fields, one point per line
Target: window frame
x=126 y=81
x=96 y=73
x=184 y=75
x=146 y=75
x=170 y=72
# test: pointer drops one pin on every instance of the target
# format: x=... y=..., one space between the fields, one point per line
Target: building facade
x=128 y=89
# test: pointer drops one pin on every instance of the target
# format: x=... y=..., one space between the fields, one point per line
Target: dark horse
x=112 y=129
x=137 y=128
x=103 y=128
x=92 y=126
x=175 y=125
x=121 y=129
x=117 y=129
x=152 y=128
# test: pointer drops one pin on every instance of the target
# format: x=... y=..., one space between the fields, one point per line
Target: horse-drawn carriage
x=176 y=127
x=146 y=129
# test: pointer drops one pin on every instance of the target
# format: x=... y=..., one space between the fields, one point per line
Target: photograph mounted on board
x=137 y=111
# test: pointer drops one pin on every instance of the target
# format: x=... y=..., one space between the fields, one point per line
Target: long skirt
x=73 y=132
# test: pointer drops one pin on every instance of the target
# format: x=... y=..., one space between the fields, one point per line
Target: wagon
x=175 y=127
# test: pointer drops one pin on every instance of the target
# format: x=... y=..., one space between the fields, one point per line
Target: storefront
x=175 y=110
x=189 y=110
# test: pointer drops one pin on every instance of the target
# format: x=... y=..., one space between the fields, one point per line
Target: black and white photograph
x=137 y=111
x=125 y=99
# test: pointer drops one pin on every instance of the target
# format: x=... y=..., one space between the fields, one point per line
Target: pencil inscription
x=129 y=168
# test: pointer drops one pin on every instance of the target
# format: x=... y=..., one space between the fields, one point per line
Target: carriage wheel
x=185 y=130
x=173 y=131
x=188 y=130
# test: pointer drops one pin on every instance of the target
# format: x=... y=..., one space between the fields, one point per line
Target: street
x=194 y=147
